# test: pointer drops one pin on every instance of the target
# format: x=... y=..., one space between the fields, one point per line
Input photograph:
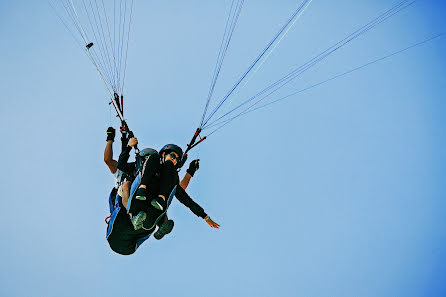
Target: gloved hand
x=193 y=166
x=111 y=134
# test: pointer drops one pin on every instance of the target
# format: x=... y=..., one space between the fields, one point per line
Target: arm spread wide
x=184 y=198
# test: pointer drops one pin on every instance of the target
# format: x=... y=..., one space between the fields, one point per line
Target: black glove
x=111 y=134
x=193 y=166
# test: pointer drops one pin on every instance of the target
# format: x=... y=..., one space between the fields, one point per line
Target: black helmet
x=147 y=152
x=141 y=157
x=173 y=148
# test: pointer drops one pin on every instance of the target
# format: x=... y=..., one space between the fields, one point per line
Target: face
x=172 y=156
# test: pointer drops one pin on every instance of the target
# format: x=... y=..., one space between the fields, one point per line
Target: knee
x=124 y=192
x=126 y=186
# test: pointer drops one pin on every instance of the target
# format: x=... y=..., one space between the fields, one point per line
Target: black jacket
x=123 y=165
x=154 y=186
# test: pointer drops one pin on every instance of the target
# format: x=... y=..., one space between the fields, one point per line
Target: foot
x=159 y=203
x=138 y=220
x=141 y=194
x=164 y=229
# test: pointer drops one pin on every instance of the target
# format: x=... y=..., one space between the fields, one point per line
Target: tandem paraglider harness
x=121 y=235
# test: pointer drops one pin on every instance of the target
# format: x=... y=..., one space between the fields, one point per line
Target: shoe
x=138 y=220
x=164 y=229
x=150 y=222
x=141 y=194
x=158 y=203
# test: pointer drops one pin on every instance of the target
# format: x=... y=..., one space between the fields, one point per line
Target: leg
x=124 y=192
x=162 y=220
x=168 y=180
x=155 y=215
x=139 y=204
x=165 y=228
x=150 y=168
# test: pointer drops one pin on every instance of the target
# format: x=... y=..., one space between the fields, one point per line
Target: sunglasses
x=173 y=156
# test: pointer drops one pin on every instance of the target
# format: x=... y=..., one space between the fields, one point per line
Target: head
x=171 y=156
x=147 y=152
x=143 y=155
x=173 y=153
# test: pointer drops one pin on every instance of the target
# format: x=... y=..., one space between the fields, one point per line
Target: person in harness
x=124 y=179
x=155 y=182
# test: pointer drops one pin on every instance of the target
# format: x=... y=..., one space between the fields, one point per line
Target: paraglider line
x=222 y=52
x=328 y=80
x=277 y=43
x=254 y=63
x=127 y=47
x=295 y=73
x=103 y=61
x=109 y=39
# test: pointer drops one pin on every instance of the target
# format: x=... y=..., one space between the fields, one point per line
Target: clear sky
x=336 y=191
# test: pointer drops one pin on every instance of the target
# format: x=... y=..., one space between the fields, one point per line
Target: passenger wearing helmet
x=157 y=182
x=122 y=235
x=172 y=158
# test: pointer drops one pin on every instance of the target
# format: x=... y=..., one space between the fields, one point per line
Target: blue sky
x=336 y=191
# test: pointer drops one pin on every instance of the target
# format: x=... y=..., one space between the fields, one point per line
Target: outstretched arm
x=185 y=199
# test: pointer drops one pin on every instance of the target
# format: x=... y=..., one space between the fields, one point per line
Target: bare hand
x=133 y=141
x=212 y=223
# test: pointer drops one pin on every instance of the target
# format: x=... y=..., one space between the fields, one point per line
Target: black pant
x=159 y=179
